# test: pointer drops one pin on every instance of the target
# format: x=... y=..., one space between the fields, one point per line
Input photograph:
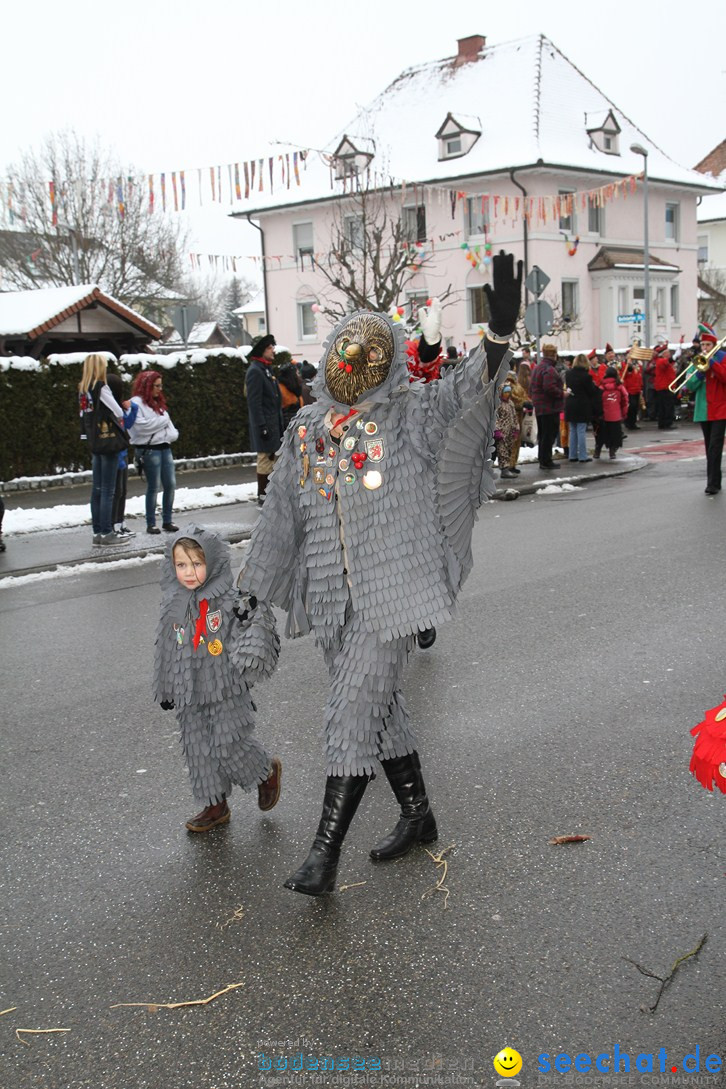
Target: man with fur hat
x=365 y=540
x=264 y=410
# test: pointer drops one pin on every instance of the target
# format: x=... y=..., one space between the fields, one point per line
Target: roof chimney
x=469 y=48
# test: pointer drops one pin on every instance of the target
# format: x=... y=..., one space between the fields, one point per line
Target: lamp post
x=640 y=150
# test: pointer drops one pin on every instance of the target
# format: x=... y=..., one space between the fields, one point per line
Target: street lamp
x=638 y=149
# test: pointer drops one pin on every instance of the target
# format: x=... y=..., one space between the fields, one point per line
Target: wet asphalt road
x=590 y=638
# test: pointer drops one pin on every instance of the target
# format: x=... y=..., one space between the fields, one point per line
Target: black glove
x=504 y=295
x=264 y=432
x=243 y=606
x=167 y=705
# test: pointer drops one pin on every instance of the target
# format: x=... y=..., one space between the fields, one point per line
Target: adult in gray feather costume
x=365 y=539
x=206 y=659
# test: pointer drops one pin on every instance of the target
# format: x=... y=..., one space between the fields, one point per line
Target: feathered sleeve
x=256 y=645
x=270 y=565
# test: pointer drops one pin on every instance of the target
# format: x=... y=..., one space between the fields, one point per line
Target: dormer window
x=604 y=132
x=351 y=157
x=457 y=136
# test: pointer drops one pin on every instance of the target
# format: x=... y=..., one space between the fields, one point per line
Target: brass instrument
x=700 y=362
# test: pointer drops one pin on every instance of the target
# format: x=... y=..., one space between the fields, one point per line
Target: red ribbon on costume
x=342 y=419
x=201 y=622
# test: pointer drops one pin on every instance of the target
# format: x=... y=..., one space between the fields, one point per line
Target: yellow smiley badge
x=215 y=647
x=508 y=1062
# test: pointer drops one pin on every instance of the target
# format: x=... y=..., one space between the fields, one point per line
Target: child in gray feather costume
x=205 y=661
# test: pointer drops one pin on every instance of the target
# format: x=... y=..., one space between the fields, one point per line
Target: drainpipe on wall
x=264 y=269
x=523 y=191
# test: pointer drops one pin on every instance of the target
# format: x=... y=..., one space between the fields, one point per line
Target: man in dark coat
x=264 y=407
x=547 y=393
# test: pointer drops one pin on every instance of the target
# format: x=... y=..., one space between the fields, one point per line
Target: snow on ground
x=37 y=519
x=554 y=489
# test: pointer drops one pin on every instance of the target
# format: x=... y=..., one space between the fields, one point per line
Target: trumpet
x=700 y=362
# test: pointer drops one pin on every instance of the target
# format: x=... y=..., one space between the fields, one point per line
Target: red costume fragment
x=708 y=762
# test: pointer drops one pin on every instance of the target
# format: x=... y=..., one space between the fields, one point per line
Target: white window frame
x=675 y=305
x=574 y=285
x=354 y=231
x=568 y=223
x=623 y=299
x=472 y=323
x=302 y=246
x=702 y=256
x=411 y=231
x=595 y=210
x=675 y=206
x=303 y=308
x=475 y=217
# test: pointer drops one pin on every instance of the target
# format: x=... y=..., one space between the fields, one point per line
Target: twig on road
x=557 y=840
x=154 y=1006
x=8 y=1010
x=236 y=917
x=440 y=862
x=357 y=885
x=34 y=1032
x=665 y=980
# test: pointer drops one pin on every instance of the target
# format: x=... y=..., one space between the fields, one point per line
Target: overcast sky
x=180 y=85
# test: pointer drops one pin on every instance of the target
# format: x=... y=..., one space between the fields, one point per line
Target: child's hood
x=217 y=559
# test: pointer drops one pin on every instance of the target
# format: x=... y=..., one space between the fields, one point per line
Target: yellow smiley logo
x=508 y=1062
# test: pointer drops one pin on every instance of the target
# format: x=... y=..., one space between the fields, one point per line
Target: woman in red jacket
x=665 y=400
x=633 y=382
x=614 y=408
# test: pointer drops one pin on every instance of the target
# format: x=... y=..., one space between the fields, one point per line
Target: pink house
x=506 y=146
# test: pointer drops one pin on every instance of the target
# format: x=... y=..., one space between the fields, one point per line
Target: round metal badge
x=349 y=478
x=302 y=431
x=371 y=428
x=372 y=480
x=214 y=646
x=329 y=479
x=343 y=464
x=349 y=443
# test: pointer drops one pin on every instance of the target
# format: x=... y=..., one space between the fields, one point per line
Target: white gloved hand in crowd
x=430 y=321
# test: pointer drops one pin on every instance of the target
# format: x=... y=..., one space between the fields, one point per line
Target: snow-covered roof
x=713 y=205
x=255 y=305
x=534 y=106
x=200 y=333
x=31 y=313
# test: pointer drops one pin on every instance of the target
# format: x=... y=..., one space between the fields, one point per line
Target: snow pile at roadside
x=46 y=518
x=555 y=489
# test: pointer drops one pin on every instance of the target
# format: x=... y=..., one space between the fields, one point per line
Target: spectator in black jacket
x=264 y=408
x=579 y=406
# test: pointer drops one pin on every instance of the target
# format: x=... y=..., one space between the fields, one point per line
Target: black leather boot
x=416 y=823
x=426 y=638
x=316 y=876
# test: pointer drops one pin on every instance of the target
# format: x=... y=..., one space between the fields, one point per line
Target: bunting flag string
x=244 y=179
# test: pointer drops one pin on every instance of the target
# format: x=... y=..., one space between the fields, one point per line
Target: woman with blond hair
x=580 y=405
x=102 y=426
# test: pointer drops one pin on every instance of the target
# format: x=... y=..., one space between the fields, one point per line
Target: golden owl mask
x=359 y=358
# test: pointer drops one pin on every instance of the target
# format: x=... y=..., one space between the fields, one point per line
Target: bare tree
x=712 y=308
x=103 y=232
x=373 y=255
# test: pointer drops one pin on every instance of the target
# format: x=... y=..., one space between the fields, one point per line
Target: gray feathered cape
x=400 y=550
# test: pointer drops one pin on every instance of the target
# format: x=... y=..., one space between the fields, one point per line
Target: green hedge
x=39 y=429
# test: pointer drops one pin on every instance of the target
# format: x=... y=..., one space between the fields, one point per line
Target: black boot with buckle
x=416 y=823
x=316 y=876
